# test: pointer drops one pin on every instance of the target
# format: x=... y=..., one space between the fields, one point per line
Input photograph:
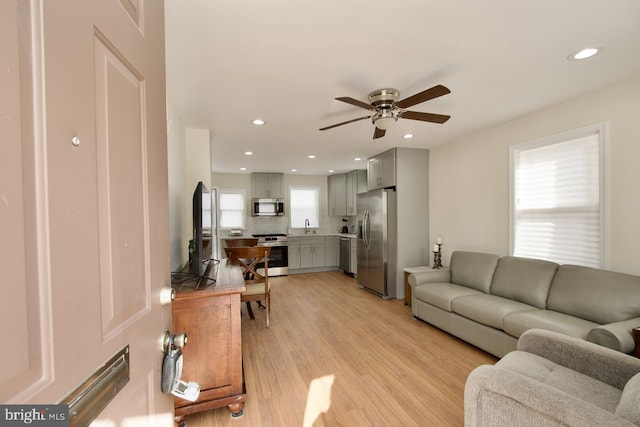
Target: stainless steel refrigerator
x=377 y=241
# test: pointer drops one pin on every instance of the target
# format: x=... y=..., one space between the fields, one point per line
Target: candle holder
x=437 y=257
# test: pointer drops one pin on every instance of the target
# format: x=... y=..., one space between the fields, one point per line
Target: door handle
x=177 y=340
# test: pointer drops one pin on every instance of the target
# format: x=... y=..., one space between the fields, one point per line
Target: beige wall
x=198 y=159
x=469 y=177
x=189 y=162
x=176 y=171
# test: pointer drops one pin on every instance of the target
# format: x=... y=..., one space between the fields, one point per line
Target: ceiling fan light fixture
x=385 y=123
x=384 y=119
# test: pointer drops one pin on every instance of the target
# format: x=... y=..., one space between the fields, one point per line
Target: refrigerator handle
x=366 y=230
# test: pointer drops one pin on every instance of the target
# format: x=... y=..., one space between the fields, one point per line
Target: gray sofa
x=555 y=380
x=489 y=301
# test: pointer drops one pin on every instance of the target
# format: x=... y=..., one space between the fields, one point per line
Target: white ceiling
x=229 y=62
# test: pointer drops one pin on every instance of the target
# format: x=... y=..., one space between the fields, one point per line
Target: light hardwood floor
x=337 y=355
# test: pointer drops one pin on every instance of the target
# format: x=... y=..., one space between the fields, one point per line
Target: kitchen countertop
x=248 y=236
x=351 y=236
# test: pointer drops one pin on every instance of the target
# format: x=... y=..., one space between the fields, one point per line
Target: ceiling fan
x=387 y=109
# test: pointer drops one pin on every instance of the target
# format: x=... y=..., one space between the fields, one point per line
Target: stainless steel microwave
x=267 y=207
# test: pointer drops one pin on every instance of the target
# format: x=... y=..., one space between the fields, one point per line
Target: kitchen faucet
x=306 y=226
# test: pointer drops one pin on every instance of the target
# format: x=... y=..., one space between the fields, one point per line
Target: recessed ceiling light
x=258 y=122
x=248 y=153
x=357 y=159
x=407 y=136
x=584 y=54
x=243 y=169
x=294 y=170
x=311 y=156
x=331 y=171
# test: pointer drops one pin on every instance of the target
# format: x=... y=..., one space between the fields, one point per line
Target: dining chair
x=256 y=279
x=246 y=241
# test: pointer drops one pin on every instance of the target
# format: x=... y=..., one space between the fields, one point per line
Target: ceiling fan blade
x=347 y=122
x=357 y=103
x=423 y=96
x=378 y=133
x=424 y=117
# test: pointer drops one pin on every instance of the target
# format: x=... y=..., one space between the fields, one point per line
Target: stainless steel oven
x=279 y=258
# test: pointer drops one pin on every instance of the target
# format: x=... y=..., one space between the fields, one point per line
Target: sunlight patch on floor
x=158 y=420
x=318 y=399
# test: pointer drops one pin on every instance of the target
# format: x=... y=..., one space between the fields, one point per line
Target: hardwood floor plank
x=348 y=358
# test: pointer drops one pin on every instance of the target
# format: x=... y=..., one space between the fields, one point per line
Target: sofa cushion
x=628 y=407
x=473 y=269
x=515 y=324
x=557 y=376
x=597 y=295
x=487 y=309
x=524 y=279
x=441 y=294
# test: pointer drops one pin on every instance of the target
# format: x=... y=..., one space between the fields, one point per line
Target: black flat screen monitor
x=201 y=229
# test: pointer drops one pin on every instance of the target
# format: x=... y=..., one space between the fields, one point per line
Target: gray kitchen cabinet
x=381 y=170
x=294 y=253
x=356 y=182
x=267 y=185
x=343 y=188
x=353 y=265
x=332 y=256
x=337 y=190
x=312 y=252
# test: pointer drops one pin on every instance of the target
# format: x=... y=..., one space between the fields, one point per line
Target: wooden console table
x=210 y=316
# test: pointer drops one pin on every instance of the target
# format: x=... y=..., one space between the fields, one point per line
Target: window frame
x=243 y=193
x=602 y=130
x=301 y=187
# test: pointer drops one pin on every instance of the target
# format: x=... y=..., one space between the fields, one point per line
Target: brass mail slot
x=95 y=393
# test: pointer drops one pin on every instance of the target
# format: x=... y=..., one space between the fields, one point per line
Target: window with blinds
x=232 y=204
x=304 y=204
x=557 y=199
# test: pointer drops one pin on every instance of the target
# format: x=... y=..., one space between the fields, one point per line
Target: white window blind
x=304 y=204
x=557 y=198
x=232 y=209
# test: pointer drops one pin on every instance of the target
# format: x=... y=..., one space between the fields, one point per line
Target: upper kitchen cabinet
x=337 y=187
x=267 y=185
x=381 y=170
x=343 y=188
x=356 y=183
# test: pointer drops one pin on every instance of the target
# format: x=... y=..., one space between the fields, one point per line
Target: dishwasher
x=345 y=254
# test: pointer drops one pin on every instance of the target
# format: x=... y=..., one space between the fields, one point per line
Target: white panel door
x=83 y=181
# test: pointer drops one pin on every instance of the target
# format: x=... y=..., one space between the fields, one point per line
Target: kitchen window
x=304 y=204
x=557 y=198
x=232 y=205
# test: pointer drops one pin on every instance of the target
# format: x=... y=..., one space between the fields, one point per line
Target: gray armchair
x=555 y=380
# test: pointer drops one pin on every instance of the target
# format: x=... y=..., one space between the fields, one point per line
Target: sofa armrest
x=432 y=276
x=498 y=397
x=616 y=335
x=606 y=365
